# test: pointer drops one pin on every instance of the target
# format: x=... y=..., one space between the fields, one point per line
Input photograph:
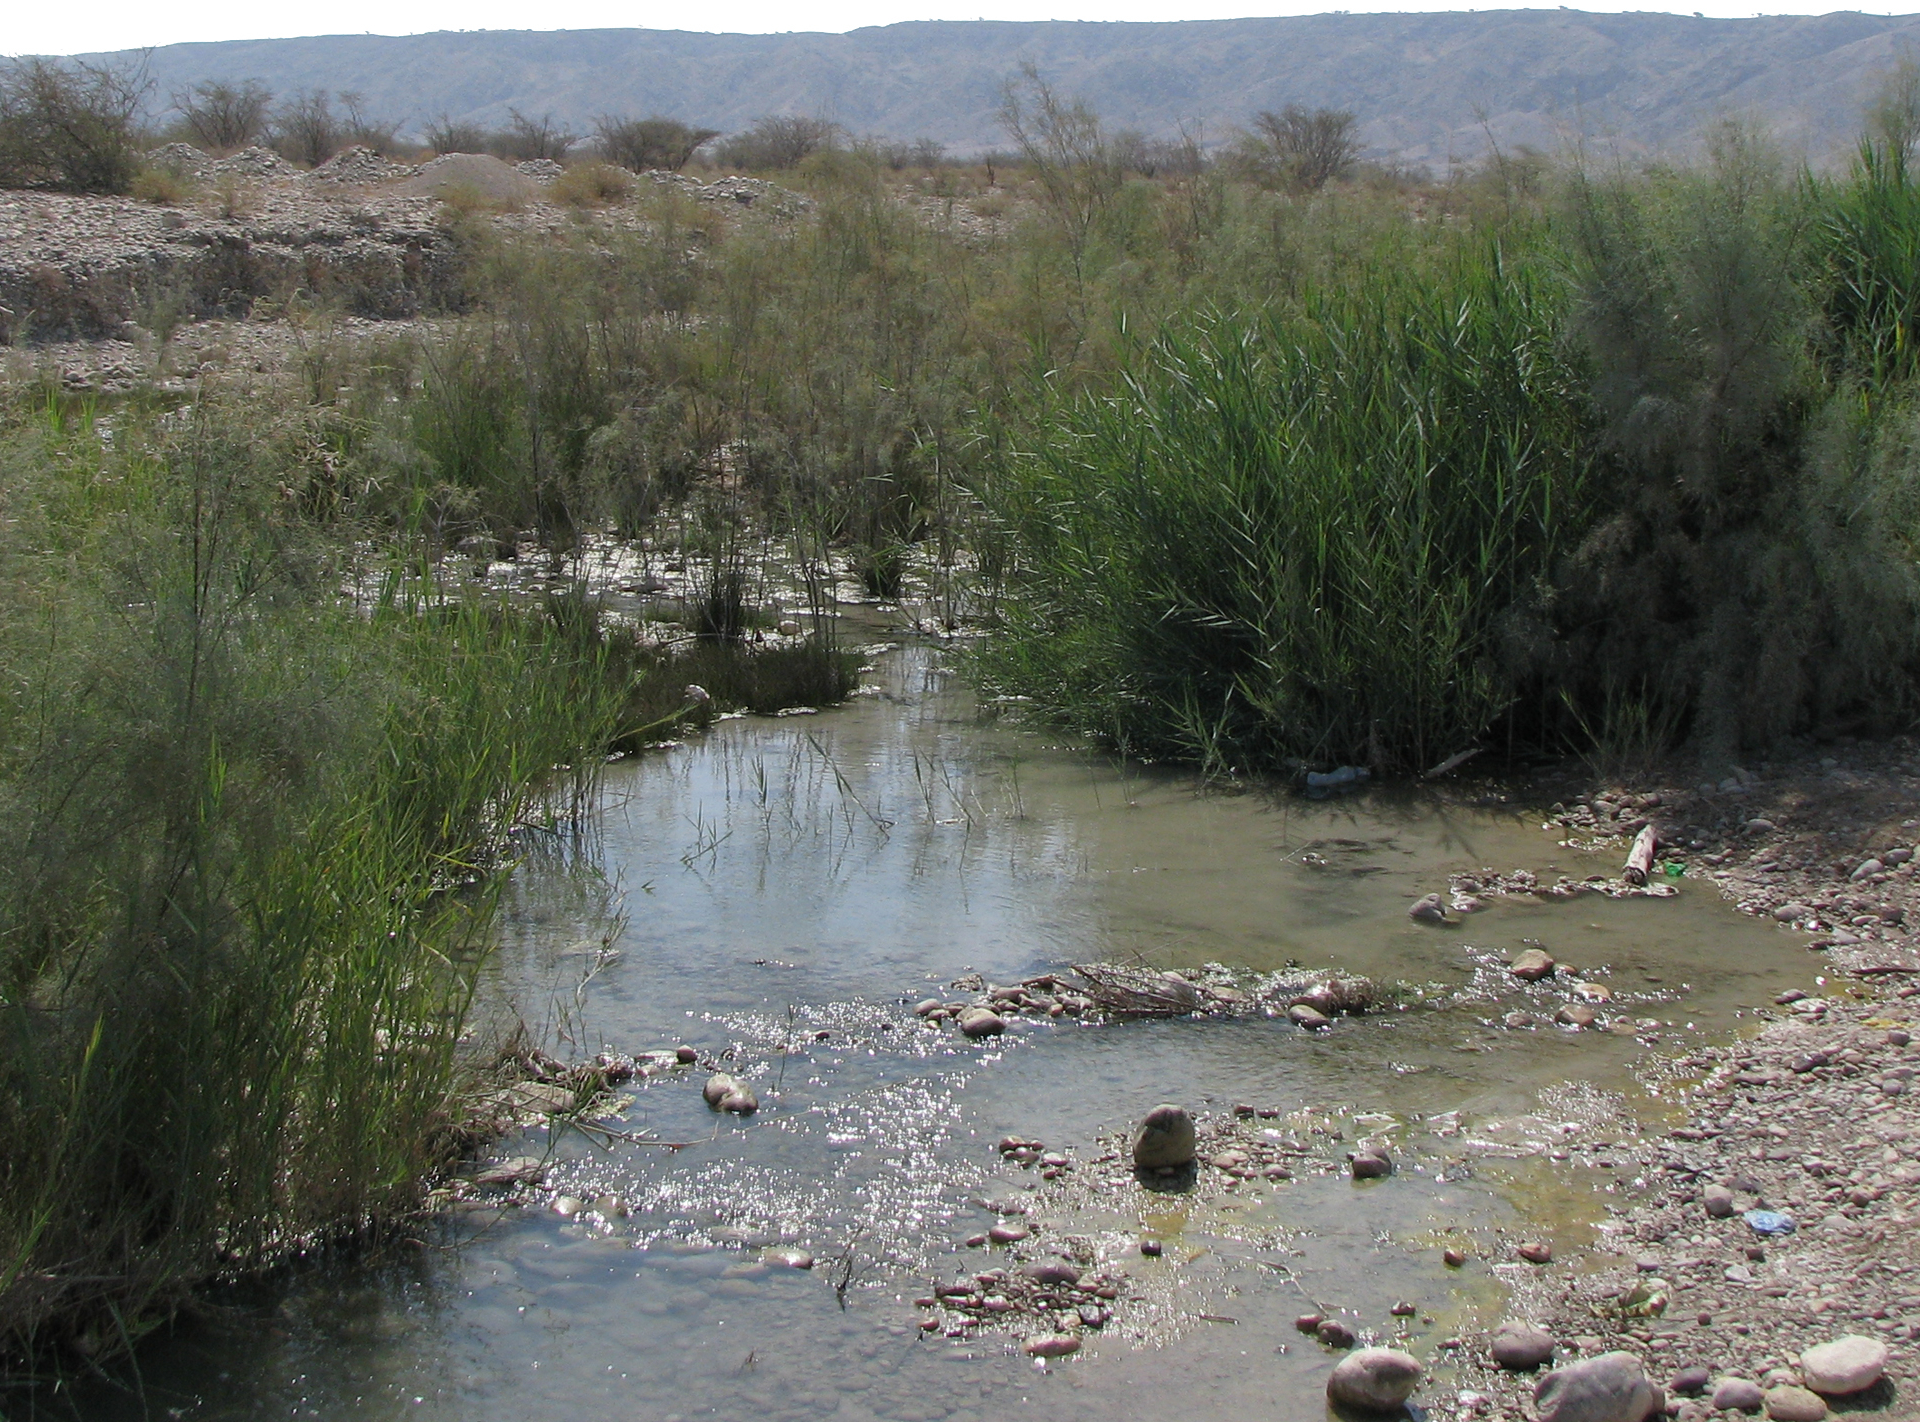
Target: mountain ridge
x=1429 y=88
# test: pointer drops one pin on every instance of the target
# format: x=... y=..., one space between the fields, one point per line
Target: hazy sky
x=36 y=27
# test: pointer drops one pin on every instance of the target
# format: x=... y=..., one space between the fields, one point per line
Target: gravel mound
x=359 y=165
x=493 y=179
x=183 y=159
x=255 y=163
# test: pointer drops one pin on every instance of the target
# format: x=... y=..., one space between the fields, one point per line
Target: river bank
x=1808 y=1115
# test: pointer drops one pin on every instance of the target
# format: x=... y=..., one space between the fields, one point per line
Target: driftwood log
x=1640 y=857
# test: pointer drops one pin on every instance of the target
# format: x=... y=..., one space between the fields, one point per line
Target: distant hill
x=1429 y=88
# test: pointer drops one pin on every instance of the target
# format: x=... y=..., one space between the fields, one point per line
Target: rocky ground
x=94 y=287
x=1810 y=1120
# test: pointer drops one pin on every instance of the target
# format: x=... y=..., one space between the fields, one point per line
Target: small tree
x=641 y=144
x=525 y=139
x=70 y=127
x=778 y=141
x=220 y=116
x=1308 y=148
x=451 y=135
x=304 y=128
x=1064 y=146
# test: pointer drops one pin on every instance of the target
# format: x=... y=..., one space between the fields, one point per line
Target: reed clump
x=257 y=834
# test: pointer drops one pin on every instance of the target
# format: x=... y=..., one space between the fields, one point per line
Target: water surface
x=783 y=888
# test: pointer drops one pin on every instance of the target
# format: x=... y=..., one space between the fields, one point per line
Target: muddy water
x=785 y=887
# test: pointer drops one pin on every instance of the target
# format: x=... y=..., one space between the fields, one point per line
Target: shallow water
x=782 y=878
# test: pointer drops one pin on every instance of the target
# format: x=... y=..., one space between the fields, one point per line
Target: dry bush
x=161 y=186
x=592 y=185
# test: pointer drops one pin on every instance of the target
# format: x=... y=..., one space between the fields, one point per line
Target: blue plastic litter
x=1770 y=1222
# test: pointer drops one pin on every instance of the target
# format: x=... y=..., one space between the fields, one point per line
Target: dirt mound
x=492 y=179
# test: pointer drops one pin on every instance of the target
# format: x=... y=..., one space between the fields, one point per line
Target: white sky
x=36 y=27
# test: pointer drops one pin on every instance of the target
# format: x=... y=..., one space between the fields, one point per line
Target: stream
x=781 y=890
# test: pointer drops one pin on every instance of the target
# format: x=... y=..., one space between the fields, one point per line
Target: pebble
x=1453 y=1258
x=1850 y=1364
x=718 y=1088
x=1898 y=1037
x=1575 y=1015
x=520 y=1170
x=1430 y=908
x=1609 y=1388
x=1370 y=1164
x=1518 y=1346
x=1690 y=1381
x=1531 y=965
x=1737 y=1395
x=977 y=1022
x=740 y=1101
x=1594 y=992
x=1374 y=1380
x=1792 y=913
x=791 y=1258
x=1051 y=1345
x=1008 y=1233
x=1718 y=1202
x=927 y=1007
x=1794 y=1404
x=1309 y=1322
x=685 y=1055
x=1151 y=1248
x=1403 y=1309
x=1334 y=1333
x=1053 y=1271
x=1536 y=1252
x=1165 y=1139
x=1310 y=1018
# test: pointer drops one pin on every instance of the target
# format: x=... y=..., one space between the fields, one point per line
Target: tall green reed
x=258 y=834
x=1323 y=536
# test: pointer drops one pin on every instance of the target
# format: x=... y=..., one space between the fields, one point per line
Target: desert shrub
x=221 y=116
x=591 y=185
x=776 y=142
x=70 y=126
x=648 y=143
x=525 y=139
x=450 y=135
x=307 y=129
x=161 y=186
x=1742 y=565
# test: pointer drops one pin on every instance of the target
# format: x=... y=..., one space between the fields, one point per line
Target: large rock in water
x=1851 y=1364
x=1609 y=1388
x=719 y=1087
x=1164 y=1140
x=1373 y=1380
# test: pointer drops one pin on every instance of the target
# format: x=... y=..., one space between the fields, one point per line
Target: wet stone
x=1536 y=1252
x=1718 y=1202
x=1334 y=1333
x=1372 y=1163
x=1165 y=1139
x=1530 y=965
x=1374 y=1380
